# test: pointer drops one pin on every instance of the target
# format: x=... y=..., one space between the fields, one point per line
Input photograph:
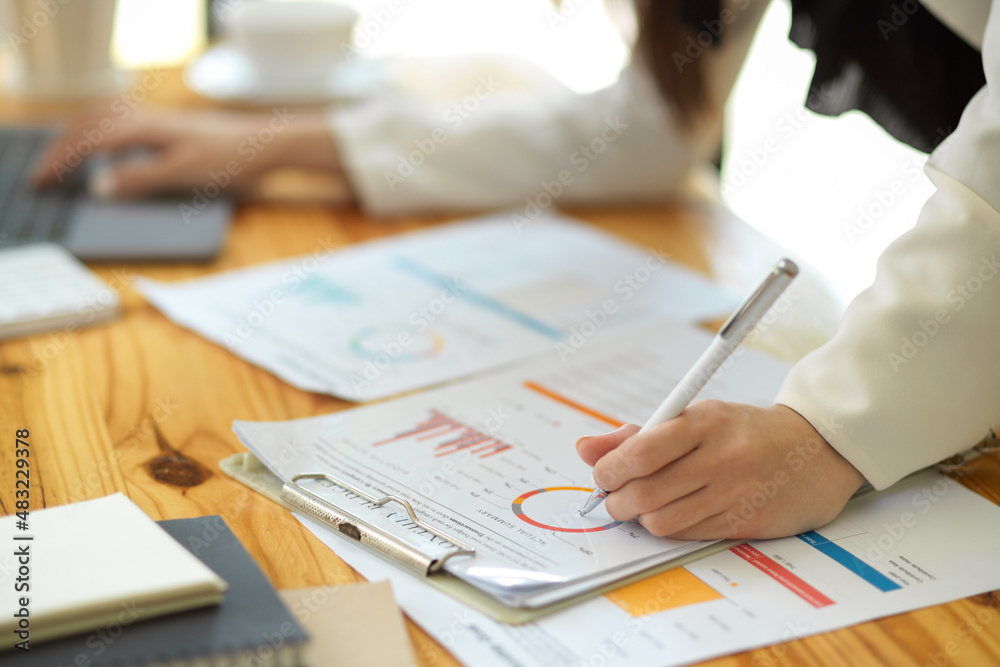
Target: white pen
x=723 y=345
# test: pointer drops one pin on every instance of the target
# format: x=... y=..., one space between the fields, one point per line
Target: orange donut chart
x=519 y=511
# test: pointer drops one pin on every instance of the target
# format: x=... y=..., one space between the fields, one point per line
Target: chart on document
x=381 y=318
x=493 y=462
x=881 y=556
x=756 y=594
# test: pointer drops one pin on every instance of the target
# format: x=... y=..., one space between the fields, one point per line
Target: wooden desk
x=144 y=407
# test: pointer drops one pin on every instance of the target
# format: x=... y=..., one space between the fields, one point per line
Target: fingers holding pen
x=592 y=447
x=672 y=477
x=642 y=454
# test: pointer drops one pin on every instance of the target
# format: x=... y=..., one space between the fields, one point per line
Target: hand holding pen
x=685 y=475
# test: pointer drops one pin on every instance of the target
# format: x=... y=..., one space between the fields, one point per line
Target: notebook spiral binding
x=357 y=528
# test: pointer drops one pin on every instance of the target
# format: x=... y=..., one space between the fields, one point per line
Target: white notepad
x=44 y=288
x=91 y=565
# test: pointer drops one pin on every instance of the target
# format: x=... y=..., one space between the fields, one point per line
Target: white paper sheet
x=385 y=317
x=927 y=541
x=492 y=461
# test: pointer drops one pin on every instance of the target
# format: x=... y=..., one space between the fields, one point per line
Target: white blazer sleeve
x=913 y=374
x=619 y=144
x=404 y=156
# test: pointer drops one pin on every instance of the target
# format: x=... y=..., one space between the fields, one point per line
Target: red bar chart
x=448 y=436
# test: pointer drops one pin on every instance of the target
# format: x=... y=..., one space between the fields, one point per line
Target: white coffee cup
x=293 y=41
x=58 y=48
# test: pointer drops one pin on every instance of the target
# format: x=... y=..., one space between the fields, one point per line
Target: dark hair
x=660 y=44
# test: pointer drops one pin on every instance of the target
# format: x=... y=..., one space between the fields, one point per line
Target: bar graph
x=449 y=436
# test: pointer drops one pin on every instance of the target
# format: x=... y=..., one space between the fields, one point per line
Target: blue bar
x=851 y=562
x=479 y=299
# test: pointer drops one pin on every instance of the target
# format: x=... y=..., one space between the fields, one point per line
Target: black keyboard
x=28 y=215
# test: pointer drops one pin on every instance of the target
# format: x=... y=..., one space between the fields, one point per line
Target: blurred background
x=859 y=191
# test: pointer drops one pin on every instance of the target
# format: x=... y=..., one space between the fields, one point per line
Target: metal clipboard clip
x=954 y=463
x=354 y=526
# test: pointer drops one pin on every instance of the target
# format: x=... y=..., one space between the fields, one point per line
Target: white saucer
x=226 y=74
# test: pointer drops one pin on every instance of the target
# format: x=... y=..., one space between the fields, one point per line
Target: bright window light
x=836 y=191
x=161 y=33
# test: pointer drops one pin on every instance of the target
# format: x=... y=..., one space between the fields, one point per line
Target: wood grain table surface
x=141 y=406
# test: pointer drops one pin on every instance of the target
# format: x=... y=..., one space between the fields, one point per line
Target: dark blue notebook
x=250 y=628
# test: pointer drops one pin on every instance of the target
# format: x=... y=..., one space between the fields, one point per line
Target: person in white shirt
x=913 y=374
x=911 y=377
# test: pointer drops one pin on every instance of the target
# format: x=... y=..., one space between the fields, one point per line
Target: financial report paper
x=926 y=541
x=385 y=317
x=492 y=461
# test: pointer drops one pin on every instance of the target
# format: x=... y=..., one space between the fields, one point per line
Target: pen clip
x=785 y=268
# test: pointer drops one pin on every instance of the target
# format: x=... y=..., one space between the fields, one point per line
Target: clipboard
x=352 y=525
x=506 y=487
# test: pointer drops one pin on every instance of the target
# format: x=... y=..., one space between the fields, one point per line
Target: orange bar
x=435 y=433
x=497 y=451
x=431 y=424
x=464 y=437
x=573 y=404
x=486 y=444
x=446 y=452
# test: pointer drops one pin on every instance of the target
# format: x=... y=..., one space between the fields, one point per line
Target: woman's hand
x=722 y=470
x=187 y=149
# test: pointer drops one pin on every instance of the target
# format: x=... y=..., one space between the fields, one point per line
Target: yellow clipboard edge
x=244 y=467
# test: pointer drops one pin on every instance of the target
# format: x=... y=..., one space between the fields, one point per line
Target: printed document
x=926 y=541
x=492 y=461
x=385 y=317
